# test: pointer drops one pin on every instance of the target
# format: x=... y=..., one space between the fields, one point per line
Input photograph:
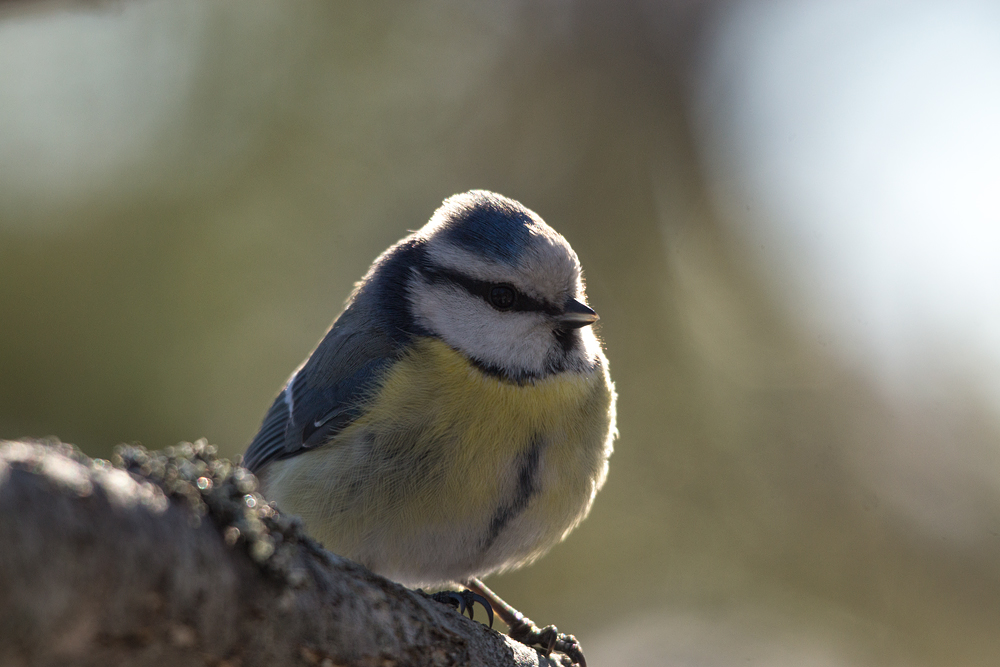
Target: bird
x=457 y=418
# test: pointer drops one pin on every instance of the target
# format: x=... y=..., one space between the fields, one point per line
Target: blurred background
x=789 y=216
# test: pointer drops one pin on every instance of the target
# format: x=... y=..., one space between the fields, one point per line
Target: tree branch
x=173 y=559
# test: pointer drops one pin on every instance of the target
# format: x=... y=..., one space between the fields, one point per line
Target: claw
x=453 y=599
x=464 y=600
x=476 y=597
x=548 y=637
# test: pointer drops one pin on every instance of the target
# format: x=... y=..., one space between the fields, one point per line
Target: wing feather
x=327 y=392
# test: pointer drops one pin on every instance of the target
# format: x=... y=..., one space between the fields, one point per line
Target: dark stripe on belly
x=526 y=482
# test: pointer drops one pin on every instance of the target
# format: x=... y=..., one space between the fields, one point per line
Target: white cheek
x=513 y=341
x=591 y=347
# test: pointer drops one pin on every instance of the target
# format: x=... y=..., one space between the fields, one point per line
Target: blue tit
x=457 y=418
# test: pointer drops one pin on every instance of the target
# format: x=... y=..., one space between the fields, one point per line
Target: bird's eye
x=502 y=297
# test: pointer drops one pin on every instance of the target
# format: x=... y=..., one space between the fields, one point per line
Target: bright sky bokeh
x=856 y=146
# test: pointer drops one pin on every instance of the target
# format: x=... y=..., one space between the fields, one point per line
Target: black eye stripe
x=483 y=289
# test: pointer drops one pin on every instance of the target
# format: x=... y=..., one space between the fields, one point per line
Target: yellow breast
x=438 y=451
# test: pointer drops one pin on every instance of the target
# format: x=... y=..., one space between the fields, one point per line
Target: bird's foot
x=549 y=639
x=523 y=629
x=464 y=600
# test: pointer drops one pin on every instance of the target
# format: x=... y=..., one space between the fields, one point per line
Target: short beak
x=576 y=314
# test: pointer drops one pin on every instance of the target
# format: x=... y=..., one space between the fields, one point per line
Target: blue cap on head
x=488 y=224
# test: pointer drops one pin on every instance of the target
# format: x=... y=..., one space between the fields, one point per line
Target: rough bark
x=172 y=558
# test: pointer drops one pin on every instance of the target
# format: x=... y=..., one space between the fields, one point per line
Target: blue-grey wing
x=326 y=393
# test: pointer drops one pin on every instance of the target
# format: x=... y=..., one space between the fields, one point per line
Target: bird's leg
x=525 y=631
